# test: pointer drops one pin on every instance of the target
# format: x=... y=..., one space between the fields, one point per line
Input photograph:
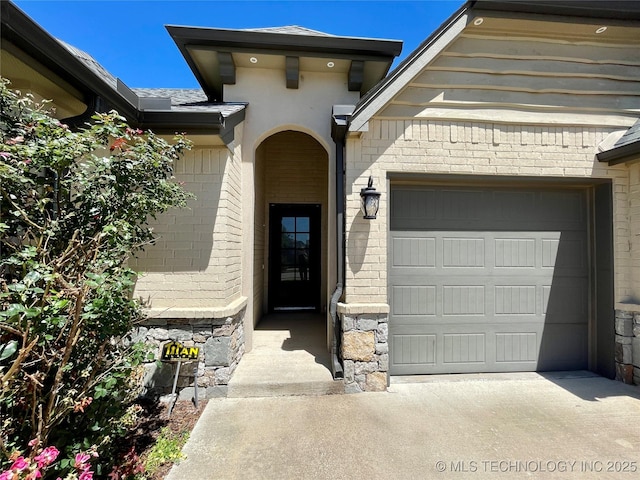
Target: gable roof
x=377 y=97
x=451 y=67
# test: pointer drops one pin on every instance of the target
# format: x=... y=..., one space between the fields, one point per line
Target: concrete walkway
x=504 y=426
x=289 y=357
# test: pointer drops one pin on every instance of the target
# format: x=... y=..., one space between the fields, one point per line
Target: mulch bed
x=154 y=417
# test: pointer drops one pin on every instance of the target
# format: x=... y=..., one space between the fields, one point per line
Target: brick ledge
x=198 y=312
x=628 y=307
x=358 y=308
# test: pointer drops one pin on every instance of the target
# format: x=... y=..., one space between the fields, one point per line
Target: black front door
x=294 y=257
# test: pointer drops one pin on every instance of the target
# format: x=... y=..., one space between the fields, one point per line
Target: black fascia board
x=618 y=155
x=233 y=39
x=151 y=118
x=191 y=122
x=604 y=9
x=24 y=33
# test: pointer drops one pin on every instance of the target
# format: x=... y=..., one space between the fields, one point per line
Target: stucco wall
x=196 y=261
x=440 y=147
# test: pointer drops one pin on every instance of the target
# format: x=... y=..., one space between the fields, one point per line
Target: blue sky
x=129 y=39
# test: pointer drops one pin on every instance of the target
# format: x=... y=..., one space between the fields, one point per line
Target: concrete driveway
x=501 y=426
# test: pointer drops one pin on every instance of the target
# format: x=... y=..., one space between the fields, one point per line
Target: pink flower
x=5 y=155
x=81 y=461
x=19 y=465
x=34 y=442
x=8 y=475
x=86 y=475
x=47 y=457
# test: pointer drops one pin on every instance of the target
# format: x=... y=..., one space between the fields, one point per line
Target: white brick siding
x=196 y=261
x=634 y=231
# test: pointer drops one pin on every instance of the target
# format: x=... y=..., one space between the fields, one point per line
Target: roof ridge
x=290 y=30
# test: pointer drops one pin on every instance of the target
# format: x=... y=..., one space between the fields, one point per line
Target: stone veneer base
x=627 y=348
x=365 y=347
x=221 y=343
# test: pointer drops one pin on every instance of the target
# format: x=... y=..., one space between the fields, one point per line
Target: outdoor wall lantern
x=369 y=201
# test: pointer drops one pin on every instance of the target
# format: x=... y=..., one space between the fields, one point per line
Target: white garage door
x=488 y=280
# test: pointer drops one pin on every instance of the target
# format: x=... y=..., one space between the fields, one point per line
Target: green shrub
x=75 y=206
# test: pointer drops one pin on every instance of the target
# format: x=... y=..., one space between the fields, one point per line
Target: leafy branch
x=73 y=208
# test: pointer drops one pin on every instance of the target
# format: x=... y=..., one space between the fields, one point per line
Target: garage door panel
x=563 y=347
x=466 y=347
x=563 y=206
x=414 y=252
x=515 y=300
x=463 y=348
x=566 y=255
x=513 y=206
x=566 y=300
x=414 y=206
x=538 y=253
x=413 y=350
x=463 y=252
x=436 y=207
x=414 y=300
x=499 y=281
x=463 y=300
x=513 y=347
x=515 y=252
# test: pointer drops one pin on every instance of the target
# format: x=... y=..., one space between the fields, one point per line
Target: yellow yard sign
x=173 y=351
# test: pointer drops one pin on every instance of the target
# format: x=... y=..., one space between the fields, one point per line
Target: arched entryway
x=289 y=354
x=290 y=242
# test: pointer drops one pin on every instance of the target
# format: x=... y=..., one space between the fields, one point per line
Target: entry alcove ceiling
x=214 y=55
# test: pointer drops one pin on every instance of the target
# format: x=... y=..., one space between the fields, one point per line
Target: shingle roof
x=91 y=63
x=189 y=100
x=626 y=148
x=290 y=30
x=179 y=96
x=630 y=136
x=182 y=100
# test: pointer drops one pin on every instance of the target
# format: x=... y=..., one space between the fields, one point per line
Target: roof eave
x=27 y=35
x=212 y=123
x=609 y=9
x=622 y=154
x=364 y=49
x=283 y=41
